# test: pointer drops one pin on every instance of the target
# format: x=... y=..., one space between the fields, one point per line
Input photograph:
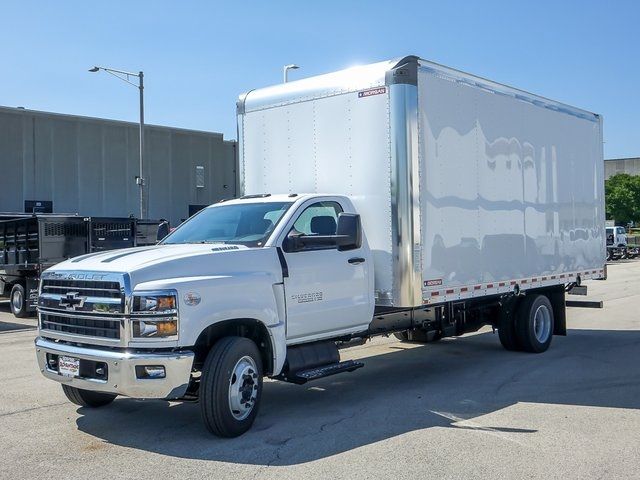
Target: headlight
x=154 y=328
x=156 y=303
x=154 y=315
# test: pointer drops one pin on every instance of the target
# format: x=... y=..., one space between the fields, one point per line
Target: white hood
x=131 y=259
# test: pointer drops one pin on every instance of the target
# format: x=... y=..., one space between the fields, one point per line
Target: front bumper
x=121 y=376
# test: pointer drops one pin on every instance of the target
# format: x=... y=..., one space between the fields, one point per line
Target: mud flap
x=556 y=297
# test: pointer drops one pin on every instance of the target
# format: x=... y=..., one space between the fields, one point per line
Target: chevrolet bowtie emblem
x=72 y=301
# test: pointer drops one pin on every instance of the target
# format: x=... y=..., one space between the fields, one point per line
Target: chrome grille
x=90 y=305
x=75 y=325
x=82 y=287
x=81 y=296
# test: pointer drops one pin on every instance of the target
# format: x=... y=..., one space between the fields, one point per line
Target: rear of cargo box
x=511 y=188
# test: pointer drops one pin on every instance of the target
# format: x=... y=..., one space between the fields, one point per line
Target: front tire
x=87 y=398
x=18 y=301
x=534 y=324
x=231 y=386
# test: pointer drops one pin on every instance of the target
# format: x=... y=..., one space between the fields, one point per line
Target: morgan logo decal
x=433 y=283
x=372 y=91
x=307 y=297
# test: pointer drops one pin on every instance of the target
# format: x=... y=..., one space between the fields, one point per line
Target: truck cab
x=616 y=236
x=616 y=242
x=278 y=270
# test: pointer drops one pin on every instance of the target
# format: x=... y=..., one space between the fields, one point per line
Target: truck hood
x=129 y=260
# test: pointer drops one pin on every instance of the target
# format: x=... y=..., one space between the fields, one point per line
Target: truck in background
x=31 y=243
x=402 y=197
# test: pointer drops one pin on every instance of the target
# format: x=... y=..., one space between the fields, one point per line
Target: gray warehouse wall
x=88 y=165
x=621 y=165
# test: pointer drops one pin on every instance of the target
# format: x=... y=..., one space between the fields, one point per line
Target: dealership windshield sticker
x=372 y=91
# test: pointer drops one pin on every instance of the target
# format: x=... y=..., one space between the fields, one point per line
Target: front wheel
x=231 y=386
x=87 y=398
x=534 y=324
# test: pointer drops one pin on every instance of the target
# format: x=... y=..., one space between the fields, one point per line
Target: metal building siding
x=88 y=165
x=12 y=177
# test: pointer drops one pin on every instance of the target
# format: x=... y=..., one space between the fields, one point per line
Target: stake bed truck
x=452 y=202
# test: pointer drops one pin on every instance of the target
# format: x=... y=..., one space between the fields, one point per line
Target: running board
x=303 y=376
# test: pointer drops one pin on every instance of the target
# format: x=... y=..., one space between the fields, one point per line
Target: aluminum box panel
x=466 y=187
x=335 y=144
x=511 y=185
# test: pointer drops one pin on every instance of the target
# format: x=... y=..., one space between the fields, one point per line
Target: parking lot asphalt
x=461 y=408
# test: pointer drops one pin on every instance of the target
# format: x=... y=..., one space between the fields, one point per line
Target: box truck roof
x=398 y=70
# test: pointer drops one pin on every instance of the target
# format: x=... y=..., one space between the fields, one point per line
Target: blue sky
x=198 y=56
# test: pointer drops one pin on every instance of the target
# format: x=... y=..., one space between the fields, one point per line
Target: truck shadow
x=446 y=384
x=7 y=326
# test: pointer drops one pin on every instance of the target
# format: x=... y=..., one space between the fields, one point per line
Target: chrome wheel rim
x=243 y=388
x=16 y=301
x=542 y=323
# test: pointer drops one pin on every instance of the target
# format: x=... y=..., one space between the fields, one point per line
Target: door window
x=320 y=218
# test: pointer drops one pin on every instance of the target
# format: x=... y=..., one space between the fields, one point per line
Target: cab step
x=303 y=376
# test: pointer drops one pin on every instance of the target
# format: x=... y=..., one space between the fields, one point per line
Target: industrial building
x=613 y=166
x=72 y=164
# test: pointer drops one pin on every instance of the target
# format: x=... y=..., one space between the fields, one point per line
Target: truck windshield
x=248 y=224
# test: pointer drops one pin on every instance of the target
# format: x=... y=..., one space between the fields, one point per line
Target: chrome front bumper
x=121 y=370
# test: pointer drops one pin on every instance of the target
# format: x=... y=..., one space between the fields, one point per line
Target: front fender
x=257 y=296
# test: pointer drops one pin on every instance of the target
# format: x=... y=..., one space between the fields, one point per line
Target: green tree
x=622 y=198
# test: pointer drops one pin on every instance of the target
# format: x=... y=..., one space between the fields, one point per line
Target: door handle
x=356 y=260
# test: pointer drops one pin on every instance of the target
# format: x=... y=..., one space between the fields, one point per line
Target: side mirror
x=349 y=231
x=293 y=242
x=348 y=236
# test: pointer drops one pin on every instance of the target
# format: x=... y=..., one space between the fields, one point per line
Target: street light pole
x=285 y=71
x=143 y=206
x=124 y=76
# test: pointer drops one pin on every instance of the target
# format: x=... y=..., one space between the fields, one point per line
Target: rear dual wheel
x=531 y=328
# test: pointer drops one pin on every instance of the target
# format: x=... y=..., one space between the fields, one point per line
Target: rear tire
x=231 y=386
x=18 y=301
x=87 y=398
x=534 y=323
x=507 y=332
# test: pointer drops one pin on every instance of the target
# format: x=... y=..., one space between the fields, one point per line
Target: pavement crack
x=8 y=414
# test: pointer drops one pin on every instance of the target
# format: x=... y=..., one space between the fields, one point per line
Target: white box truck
x=401 y=197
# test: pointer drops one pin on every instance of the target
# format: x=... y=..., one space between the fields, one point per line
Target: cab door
x=327 y=290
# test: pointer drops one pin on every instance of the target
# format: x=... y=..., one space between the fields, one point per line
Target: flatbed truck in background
x=31 y=243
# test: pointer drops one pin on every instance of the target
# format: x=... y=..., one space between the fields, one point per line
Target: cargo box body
x=466 y=187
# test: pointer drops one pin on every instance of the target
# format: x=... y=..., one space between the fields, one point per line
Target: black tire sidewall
x=507 y=332
x=525 y=324
x=87 y=398
x=214 y=386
